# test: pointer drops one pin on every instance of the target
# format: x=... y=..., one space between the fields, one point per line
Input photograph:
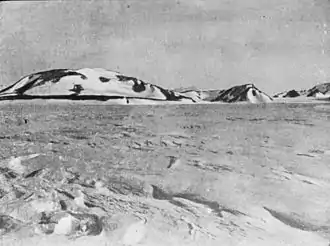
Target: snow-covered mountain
x=96 y=83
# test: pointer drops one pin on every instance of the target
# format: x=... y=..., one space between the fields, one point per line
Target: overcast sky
x=275 y=44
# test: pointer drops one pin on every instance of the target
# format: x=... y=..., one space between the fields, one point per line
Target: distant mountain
x=320 y=91
x=87 y=83
x=288 y=94
x=242 y=93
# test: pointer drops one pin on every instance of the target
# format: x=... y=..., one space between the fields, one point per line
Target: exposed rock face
x=87 y=83
x=243 y=93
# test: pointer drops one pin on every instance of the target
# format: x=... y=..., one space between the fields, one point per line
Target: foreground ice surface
x=164 y=175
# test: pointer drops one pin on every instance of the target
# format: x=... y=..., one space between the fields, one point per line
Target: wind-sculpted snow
x=87 y=83
x=100 y=175
x=35 y=205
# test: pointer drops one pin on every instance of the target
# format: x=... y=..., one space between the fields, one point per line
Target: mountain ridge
x=103 y=84
x=106 y=85
x=319 y=91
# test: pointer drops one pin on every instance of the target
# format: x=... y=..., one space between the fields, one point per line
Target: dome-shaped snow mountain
x=87 y=83
x=243 y=93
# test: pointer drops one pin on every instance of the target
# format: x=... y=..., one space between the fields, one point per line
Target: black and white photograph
x=165 y=123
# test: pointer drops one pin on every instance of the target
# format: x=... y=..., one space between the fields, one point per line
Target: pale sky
x=210 y=44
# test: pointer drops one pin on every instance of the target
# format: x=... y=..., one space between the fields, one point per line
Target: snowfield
x=215 y=174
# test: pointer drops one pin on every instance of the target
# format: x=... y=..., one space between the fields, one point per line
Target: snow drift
x=87 y=83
